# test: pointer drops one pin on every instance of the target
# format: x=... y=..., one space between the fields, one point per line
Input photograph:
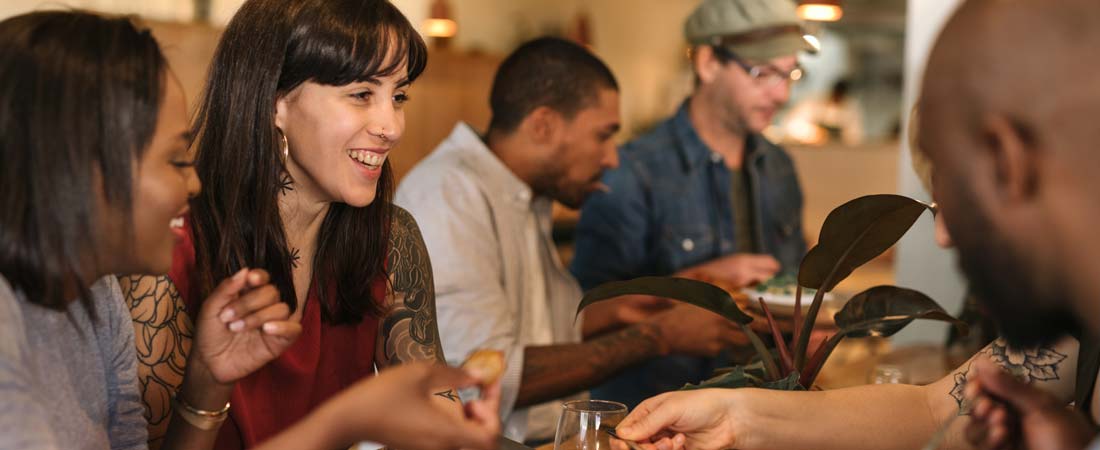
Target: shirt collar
x=482 y=161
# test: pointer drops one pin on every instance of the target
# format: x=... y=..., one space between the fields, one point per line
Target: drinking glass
x=888 y=374
x=580 y=423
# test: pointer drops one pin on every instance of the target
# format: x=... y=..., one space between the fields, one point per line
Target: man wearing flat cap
x=704 y=194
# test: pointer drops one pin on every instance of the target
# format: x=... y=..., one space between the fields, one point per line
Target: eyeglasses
x=766 y=75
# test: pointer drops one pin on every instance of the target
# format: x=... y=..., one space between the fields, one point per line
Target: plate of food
x=779 y=293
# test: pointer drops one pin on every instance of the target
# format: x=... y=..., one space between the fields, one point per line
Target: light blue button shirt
x=475 y=216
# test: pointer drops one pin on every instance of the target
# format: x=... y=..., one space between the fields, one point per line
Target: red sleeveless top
x=323 y=361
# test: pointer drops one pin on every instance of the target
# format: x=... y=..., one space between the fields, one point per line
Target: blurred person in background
x=1014 y=175
x=704 y=195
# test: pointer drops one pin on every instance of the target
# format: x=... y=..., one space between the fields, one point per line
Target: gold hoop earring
x=285 y=150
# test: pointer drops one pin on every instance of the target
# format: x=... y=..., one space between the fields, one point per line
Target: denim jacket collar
x=693 y=151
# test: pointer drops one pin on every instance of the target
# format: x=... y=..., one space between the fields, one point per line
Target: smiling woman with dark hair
x=90 y=129
x=303 y=103
x=95 y=179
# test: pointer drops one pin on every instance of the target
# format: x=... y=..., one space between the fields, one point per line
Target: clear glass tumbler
x=580 y=423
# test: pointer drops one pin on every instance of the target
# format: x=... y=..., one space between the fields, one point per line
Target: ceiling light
x=820 y=10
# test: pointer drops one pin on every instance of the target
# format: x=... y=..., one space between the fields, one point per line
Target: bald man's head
x=1010 y=111
x=1034 y=61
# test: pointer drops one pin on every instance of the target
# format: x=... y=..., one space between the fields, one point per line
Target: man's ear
x=1015 y=159
x=543 y=125
x=705 y=63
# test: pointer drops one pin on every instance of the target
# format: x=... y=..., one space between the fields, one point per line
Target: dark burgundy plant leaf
x=698 y=293
x=885 y=310
x=855 y=233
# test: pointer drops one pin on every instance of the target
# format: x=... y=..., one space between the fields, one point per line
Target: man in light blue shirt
x=484 y=207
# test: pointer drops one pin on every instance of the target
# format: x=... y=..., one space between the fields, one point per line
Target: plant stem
x=762 y=350
x=785 y=361
x=809 y=374
x=811 y=315
x=800 y=348
x=797 y=319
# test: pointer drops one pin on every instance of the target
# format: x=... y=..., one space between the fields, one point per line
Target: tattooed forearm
x=409 y=331
x=1030 y=365
x=556 y=371
x=959 y=388
x=162 y=332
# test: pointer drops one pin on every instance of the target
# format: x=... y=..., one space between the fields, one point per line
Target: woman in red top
x=303 y=103
x=108 y=143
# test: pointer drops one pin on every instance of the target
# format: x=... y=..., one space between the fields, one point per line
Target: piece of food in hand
x=485 y=365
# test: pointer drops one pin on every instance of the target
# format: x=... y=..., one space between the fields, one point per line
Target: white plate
x=781 y=299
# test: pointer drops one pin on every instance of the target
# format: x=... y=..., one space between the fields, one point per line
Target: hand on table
x=738 y=270
x=1007 y=413
x=397 y=408
x=699 y=420
x=690 y=330
x=619 y=312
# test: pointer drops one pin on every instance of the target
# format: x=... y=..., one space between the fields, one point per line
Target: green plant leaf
x=735 y=378
x=787 y=384
x=739 y=377
x=885 y=310
x=855 y=233
x=698 y=293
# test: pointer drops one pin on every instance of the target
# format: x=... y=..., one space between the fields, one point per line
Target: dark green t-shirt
x=743 y=219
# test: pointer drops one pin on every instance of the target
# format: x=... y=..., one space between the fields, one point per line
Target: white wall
x=920 y=264
x=647 y=51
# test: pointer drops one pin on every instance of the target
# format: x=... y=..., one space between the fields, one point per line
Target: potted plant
x=853 y=234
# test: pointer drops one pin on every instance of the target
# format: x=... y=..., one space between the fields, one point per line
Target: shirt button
x=688 y=245
x=715 y=158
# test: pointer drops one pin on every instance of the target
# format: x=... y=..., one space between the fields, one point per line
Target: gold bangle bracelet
x=198 y=418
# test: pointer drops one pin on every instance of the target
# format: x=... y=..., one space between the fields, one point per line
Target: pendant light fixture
x=820 y=10
x=440 y=23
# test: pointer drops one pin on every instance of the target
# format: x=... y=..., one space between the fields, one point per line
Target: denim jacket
x=670 y=208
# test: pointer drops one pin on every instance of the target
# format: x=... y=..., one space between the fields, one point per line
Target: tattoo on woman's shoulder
x=410 y=331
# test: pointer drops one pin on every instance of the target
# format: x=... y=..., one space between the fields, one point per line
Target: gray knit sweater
x=66 y=381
